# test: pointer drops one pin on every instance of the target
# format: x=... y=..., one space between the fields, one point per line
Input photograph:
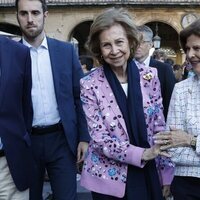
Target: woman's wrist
x=149 y=154
x=144 y=155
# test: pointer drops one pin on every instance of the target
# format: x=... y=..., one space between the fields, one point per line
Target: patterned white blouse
x=184 y=114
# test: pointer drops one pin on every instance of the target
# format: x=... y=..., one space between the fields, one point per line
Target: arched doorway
x=80 y=33
x=169 y=40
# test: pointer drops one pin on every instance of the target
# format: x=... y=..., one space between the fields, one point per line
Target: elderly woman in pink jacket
x=123 y=107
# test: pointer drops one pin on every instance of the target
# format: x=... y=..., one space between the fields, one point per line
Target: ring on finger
x=167 y=142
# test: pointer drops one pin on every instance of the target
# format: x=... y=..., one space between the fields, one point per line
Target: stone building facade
x=70 y=20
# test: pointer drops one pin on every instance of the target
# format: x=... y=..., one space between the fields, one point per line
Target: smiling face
x=193 y=52
x=31 y=19
x=114 y=46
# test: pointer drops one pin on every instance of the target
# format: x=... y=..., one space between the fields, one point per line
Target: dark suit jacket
x=16 y=109
x=167 y=81
x=66 y=74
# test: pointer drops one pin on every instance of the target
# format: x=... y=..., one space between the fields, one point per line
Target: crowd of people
x=181 y=72
x=131 y=123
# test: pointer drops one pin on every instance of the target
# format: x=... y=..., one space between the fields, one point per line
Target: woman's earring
x=102 y=60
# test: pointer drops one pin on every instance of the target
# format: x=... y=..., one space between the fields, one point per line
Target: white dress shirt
x=147 y=61
x=45 y=108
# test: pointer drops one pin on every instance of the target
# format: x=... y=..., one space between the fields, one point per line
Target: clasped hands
x=166 y=140
x=153 y=152
x=172 y=138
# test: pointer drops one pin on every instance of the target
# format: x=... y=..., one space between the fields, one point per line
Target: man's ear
x=151 y=44
x=46 y=13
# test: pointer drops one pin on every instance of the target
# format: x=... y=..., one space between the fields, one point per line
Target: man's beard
x=32 y=35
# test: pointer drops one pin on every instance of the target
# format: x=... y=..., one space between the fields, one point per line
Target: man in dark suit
x=16 y=160
x=59 y=134
x=165 y=72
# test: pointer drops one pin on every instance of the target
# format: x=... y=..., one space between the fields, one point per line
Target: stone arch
x=169 y=38
x=167 y=22
x=80 y=32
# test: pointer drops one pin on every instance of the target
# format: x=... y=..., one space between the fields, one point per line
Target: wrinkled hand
x=81 y=151
x=166 y=191
x=153 y=152
x=173 y=138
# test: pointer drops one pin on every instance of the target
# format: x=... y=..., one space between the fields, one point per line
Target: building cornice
x=82 y=3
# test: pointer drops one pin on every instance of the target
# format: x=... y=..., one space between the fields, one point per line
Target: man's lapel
x=55 y=63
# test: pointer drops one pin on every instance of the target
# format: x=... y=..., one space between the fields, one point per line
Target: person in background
x=178 y=72
x=187 y=70
x=169 y=61
x=183 y=121
x=159 y=55
x=87 y=63
x=16 y=159
x=165 y=72
x=123 y=107
x=59 y=129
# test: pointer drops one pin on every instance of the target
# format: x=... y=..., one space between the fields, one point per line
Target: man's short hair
x=43 y=2
x=147 y=32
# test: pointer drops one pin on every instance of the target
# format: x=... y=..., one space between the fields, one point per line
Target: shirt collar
x=146 y=62
x=43 y=44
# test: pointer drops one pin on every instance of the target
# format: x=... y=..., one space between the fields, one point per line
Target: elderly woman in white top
x=183 y=122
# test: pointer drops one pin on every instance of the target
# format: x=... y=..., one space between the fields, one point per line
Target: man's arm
x=83 y=134
x=168 y=87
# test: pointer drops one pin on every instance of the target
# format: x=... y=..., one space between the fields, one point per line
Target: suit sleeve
x=27 y=103
x=82 y=124
x=168 y=87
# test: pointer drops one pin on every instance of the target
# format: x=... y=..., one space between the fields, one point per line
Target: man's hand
x=81 y=151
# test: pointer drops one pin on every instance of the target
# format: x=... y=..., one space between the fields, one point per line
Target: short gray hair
x=147 y=32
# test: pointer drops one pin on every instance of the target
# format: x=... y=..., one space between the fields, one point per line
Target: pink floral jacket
x=110 y=152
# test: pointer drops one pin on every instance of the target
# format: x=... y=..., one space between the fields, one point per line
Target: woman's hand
x=173 y=138
x=153 y=152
